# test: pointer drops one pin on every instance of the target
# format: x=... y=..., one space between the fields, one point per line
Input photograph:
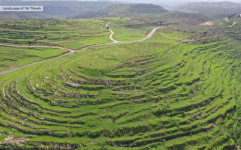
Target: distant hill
x=125 y=10
x=184 y=18
x=53 y=9
x=212 y=9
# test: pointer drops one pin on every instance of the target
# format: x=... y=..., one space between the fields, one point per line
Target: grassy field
x=130 y=32
x=33 y=30
x=15 y=57
x=48 y=32
x=75 y=34
x=159 y=94
x=130 y=29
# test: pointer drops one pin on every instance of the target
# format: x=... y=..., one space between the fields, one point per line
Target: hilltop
x=124 y=10
x=212 y=9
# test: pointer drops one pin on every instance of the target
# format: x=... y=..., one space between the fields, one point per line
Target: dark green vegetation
x=125 y=10
x=52 y=9
x=212 y=9
x=178 y=90
x=52 y=32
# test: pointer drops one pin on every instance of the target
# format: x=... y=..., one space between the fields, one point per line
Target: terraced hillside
x=159 y=94
x=78 y=33
x=14 y=54
x=53 y=32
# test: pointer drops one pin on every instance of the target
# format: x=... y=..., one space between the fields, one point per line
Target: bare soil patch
x=209 y=23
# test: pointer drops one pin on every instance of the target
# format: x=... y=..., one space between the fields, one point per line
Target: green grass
x=66 y=33
x=158 y=94
x=16 y=57
x=130 y=32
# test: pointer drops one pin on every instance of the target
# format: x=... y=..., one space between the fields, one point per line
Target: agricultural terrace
x=163 y=93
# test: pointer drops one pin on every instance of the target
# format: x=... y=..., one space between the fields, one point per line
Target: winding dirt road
x=71 y=51
x=111 y=33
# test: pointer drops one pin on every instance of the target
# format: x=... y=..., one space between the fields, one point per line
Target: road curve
x=111 y=33
x=144 y=39
x=71 y=51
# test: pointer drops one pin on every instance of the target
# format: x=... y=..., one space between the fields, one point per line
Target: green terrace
x=72 y=34
x=162 y=93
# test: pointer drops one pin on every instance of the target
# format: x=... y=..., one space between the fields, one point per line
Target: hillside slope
x=125 y=10
x=160 y=94
x=212 y=9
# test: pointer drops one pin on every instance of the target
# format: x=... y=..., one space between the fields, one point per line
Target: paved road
x=71 y=51
x=146 y=38
x=36 y=46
